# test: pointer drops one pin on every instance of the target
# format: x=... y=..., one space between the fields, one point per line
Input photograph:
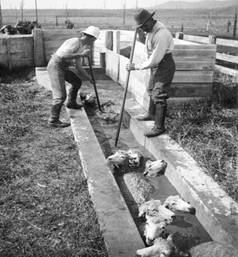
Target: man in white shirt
x=159 y=45
x=59 y=71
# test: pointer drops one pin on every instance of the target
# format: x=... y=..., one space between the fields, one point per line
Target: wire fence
x=198 y=22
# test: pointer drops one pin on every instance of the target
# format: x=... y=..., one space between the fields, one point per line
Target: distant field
x=193 y=21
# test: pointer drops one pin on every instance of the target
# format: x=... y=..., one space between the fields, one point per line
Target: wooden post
x=212 y=39
x=116 y=40
x=9 y=57
x=109 y=40
x=36 y=11
x=228 y=26
x=179 y=35
x=235 y=24
x=102 y=60
x=39 y=53
x=21 y=7
x=0 y=14
x=124 y=14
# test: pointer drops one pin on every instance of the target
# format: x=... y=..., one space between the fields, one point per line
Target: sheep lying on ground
x=155 y=168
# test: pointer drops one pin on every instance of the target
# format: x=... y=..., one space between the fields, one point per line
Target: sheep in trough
x=155 y=212
x=155 y=168
x=176 y=203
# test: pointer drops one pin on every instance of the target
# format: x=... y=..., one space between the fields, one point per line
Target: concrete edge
x=120 y=233
x=215 y=210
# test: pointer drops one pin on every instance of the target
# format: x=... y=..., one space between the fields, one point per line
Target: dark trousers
x=160 y=80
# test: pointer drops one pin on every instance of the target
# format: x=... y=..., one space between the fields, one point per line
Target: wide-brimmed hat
x=142 y=16
x=92 y=31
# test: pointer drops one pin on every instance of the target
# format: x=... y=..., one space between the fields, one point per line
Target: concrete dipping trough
x=215 y=210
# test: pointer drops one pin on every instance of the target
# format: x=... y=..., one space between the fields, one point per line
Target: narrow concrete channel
x=104 y=127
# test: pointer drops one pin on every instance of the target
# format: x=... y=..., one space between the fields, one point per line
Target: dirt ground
x=45 y=208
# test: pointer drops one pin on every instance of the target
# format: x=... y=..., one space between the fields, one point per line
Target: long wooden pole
x=94 y=83
x=126 y=88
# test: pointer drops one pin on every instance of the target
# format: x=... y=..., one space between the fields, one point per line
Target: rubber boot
x=159 y=128
x=72 y=97
x=150 y=114
x=54 y=117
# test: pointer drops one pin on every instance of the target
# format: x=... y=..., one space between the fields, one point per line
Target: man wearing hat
x=159 y=45
x=59 y=71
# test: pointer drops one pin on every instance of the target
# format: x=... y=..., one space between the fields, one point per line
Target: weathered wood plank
x=112 y=64
x=196 y=39
x=196 y=47
x=227 y=58
x=39 y=56
x=190 y=90
x=227 y=49
x=194 y=65
x=194 y=53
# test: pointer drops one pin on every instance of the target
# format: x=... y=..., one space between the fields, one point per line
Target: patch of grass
x=225 y=89
x=45 y=208
x=209 y=134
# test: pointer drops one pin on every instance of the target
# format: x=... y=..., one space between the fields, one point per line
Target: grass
x=45 y=208
x=209 y=133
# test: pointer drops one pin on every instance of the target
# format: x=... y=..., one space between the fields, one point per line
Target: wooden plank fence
x=16 y=51
x=194 y=70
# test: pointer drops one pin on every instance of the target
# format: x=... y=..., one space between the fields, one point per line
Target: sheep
x=155 y=168
x=126 y=161
x=176 y=203
x=167 y=248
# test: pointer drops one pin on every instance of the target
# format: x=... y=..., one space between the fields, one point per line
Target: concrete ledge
x=43 y=78
x=118 y=229
x=120 y=233
x=216 y=211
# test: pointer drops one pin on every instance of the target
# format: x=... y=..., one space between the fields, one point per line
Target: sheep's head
x=155 y=212
x=161 y=248
x=153 y=231
x=119 y=158
x=176 y=203
x=135 y=158
x=148 y=207
x=155 y=168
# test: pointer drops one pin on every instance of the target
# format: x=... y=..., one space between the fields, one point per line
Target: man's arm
x=82 y=73
x=162 y=44
x=76 y=55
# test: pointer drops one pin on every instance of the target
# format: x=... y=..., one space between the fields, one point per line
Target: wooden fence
x=193 y=76
x=16 y=51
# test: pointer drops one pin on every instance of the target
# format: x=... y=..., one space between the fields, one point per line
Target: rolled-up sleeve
x=162 y=43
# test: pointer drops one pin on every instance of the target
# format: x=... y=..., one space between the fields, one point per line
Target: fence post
x=179 y=35
x=116 y=40
x=109 y=40
x=235 y=24
x=102 y=60
x=9 y=57
x=39 y=53
x=212 y=39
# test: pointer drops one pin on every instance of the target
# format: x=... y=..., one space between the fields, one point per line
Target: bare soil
x=45 y=208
